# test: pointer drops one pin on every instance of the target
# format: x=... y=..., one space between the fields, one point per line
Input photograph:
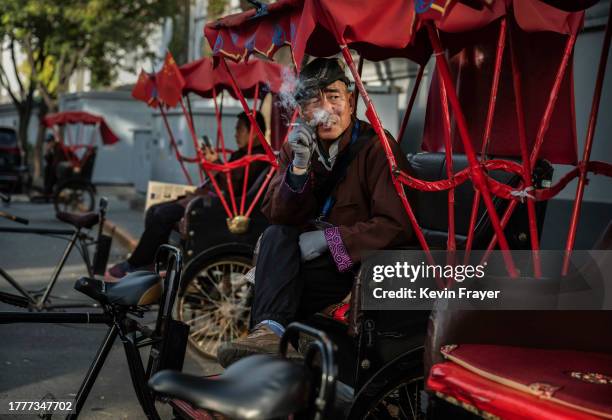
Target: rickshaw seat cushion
x=255 y=387
x=81 y=221
x=136 y=289
x=513 y=382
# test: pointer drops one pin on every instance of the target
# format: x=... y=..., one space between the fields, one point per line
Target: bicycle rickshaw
x=218 y=233
x=73 y=157
x=382 y=368
x=387 y=373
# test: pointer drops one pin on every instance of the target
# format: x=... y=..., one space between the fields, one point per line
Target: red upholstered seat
x=518 y=383
x=338 y=312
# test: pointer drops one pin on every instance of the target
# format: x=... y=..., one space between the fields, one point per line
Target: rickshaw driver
x=331 y=199
x=160 y=219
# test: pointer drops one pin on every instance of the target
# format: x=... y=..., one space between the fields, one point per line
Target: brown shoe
x=261 y=340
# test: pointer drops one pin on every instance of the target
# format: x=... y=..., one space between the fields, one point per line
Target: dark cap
x=318 y=74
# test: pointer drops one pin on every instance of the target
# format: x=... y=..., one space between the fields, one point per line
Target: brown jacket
x=367 y=215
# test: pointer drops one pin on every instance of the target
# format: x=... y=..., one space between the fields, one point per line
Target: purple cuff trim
x=286 y=187
x=337 y=249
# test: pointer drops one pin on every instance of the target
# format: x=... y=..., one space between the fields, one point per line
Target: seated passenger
x=332 y=199
x=161 y=218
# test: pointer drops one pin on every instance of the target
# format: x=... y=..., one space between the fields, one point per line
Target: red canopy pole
x=246 y=109
x=448 y=149
x=378 y=128
x=588 y=144
x=356 y=94
x=542 y=130
x=250 y=148
x=194 y=138
x=60 y=140
x=174 y=145
x=527 y=184
x=72 y=147
x=413 y=95
x=262 y=188
x=499 y=58
x=230 y=190
x=218 y=117
x=476 y=172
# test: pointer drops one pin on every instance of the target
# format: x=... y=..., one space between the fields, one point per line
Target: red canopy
x=377 y=30
x=307 y=26
x=202 y=78
x=81 y=117
x=317 y=27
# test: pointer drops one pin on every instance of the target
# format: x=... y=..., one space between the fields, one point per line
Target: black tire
x=394 y=392
x=74 y=196
x=215 y=300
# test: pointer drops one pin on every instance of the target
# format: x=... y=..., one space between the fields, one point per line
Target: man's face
x=242 y=134
x=330 y=111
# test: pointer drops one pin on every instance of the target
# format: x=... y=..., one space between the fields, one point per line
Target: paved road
x=36 y=359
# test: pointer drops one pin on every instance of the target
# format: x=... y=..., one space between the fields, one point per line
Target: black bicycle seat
x=83 y=221
x=255 y=387
x=137 y=288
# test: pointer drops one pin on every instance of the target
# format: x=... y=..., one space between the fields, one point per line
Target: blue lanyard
x=330 y=201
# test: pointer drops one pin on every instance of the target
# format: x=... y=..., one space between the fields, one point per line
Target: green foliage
x=61 y=36
x=180 y=32
x=216 y=8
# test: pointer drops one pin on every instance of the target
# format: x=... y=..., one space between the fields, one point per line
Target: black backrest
x=431 y=208
x=88 y=165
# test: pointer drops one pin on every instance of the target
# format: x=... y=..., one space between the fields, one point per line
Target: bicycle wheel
x=394 y=393
x=74 y=196
x=215 y=301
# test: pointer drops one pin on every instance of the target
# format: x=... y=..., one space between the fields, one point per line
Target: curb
x=120 y=234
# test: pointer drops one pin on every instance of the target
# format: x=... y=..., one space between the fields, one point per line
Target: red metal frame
x=486 y=137
x=380 y=132
x=543 y=128
x=448 y=150
x=179 y=158
x=601 y=72
x=476 y=172
x=520 y=117
x=485 y=186
x=69 y=146
x=251 y=116
x=250 y=148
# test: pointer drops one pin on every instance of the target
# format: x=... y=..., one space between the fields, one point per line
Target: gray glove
x=312 y=245
x=301 y=139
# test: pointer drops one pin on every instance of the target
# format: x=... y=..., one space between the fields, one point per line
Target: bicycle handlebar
x=14 y=218
x=329 y=370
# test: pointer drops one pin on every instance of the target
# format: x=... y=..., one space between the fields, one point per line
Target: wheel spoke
x=215 y=304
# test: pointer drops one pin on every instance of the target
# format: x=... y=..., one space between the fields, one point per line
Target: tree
x=22 y=95
x=59 y=37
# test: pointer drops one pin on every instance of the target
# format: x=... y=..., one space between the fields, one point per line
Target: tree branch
x=4 y=81
x=14 y=60
x=41 y=86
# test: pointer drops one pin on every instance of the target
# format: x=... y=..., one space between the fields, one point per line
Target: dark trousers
x=159 y=222
x=287 y=289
